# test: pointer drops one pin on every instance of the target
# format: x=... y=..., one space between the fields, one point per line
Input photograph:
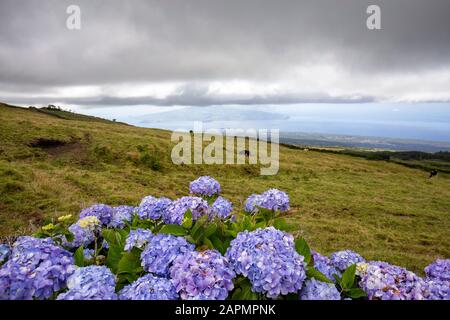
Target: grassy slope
x=380 y=209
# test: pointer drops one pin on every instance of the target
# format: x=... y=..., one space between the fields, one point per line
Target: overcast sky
x=208 y=52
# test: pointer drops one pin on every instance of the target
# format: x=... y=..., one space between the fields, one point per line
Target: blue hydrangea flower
x=204 y=186
x=440 y=269
x=205 y=275
x=4 y=252
x=437 y=289
x=221 y=208
x=84 y=231
x=160 y=252
x=121 y=215
x=267 y=257
x=318 y=290
x=272 y=199
x=149 y=287
x=345 y=258
x=275 y=200
x=252 y=203
x=36 y=269
x=137 y=238
x=153 y=208
x=103 y=212
x=176 y=210
x=90 y=283
x=388 y=282
x=324 y=265
x=88 y=254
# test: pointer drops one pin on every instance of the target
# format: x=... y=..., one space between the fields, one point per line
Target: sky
x=256 y=56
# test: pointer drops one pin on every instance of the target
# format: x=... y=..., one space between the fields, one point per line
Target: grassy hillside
x=52 y=164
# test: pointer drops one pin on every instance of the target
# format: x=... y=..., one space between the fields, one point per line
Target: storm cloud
x=208 y=52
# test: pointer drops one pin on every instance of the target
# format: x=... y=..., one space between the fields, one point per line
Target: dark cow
x=433 y=173
x=245 y=152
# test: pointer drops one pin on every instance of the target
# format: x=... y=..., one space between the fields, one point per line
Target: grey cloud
x=205 y=40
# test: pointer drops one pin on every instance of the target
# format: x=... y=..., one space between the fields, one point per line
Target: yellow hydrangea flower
x=65 y=218
x=48 y=227
x=89 y=222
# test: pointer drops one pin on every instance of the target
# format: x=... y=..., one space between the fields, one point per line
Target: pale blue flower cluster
x=252 y=202
x=153 y=208
x=149 y=287
x=440 y=269
x=221 y=208
x=137 y=238
x=103 y=212
x=437 y=289
x=120 y=216
x=324 y=265
x=84 y=233
x=160 y=252
x=382 y=281
x=176 y=210
x=345 y=258
x=267 y=257
x=204 y=186
x=272 y=199
x=36 y=269
x=318 y=290
x=90 y=283
x=205 y=275
x=88 y=254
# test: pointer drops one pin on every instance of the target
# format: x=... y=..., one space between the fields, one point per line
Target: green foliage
x=173 y=229
x=78 y=257
x=303 y=249
x=150 y=161
x=243 y=290
x=348 y=283
x=311 y=272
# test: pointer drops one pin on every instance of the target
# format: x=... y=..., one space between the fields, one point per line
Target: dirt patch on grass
x=58 y=148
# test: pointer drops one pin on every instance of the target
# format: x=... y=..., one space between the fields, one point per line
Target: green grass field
x=383 y=210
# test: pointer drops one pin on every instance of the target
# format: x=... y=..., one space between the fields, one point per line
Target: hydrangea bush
x=197 y=247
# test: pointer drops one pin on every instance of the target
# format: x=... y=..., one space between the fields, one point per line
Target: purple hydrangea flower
x=88 y=254
x=103 y=212
x=437 y=289
x=5 y=250
x=137 y=238
x=176 y=210
x=324 y=265
x=36 y=269
x=90 y=283
x=149 y=287
x=204 y=186
x=153 y=208
x=440 y=269
x=318 y=290
x=388 y=282
x=345 y=258
x=275 y=200
x=205 y=275
x=84 y=231
x=252 y=202
x=267 y=257
x=221 y=208
x=121 y=215
x=160 y=252
x=272 y=199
